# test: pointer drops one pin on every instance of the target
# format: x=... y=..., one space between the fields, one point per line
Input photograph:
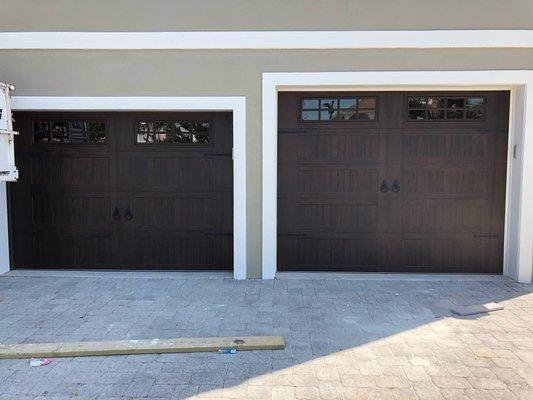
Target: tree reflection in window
x=175 y=132
x=74 y=132
x=338 y=109
x=454 y=108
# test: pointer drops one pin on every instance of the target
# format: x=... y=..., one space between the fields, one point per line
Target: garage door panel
x=71 y=210
x=445 y=180
x=222 y=172
x=179 y=212
x=71 y=171
x=21 y=220
x=188 y=175
x=428 y=195
x=160 y=204
x=176 y=250
x=453 y=254
x=223 y=205
x=337 y=252
x=338 y=181
x=433 y=147
x=445 y=216
x=76 y=249
x=339 y=146
x=338 y=216
x=173 y=212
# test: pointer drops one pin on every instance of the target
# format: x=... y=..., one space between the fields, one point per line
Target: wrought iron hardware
x=128 y=215
x=384 y=188
x=395 y=186
x=116 y=214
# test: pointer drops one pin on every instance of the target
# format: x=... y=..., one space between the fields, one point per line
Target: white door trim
x=235 y=104
x=518 y=248
x=396 y=39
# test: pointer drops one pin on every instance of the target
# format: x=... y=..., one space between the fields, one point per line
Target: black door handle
x=116 y=214
x=128 y=215
x=395 y=186
x=384 y=188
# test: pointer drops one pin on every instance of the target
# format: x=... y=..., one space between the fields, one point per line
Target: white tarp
x=8 y=171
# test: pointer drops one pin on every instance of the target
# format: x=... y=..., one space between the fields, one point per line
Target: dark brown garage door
x=123 y=190
x=392 y=181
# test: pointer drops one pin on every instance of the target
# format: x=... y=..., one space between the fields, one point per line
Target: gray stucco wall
x=222 y=73
x=212 y=15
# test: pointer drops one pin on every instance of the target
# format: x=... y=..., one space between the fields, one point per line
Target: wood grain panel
x=68 y=210
x=392 y=194
x=71 y=171
x=121 y=204
x=173 y=174
x=185 y=213
x=69 y=249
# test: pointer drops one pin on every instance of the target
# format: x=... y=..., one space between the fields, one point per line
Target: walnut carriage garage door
x=123 y=190
x=392 y=181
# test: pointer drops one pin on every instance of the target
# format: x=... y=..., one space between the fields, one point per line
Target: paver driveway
x=348 y=337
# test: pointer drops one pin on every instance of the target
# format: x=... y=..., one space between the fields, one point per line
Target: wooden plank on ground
x=476 y=309
x=117 y=347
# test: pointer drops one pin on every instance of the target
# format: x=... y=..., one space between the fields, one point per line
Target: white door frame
x=235 y=104
x=518 y=242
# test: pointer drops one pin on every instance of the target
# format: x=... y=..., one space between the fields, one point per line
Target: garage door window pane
x=436 y=114
x=348 y=103
x=173 y=132
x=445 y=108
x=328 y=115
x=330 y=109
x=310 y=115
x=75 y=132
x=366 y=102
x=60 y=132
x=310 y=104
x=417 y=114
x=347 y=115
x=145 y=138
x=329 y=104
x=367 y=115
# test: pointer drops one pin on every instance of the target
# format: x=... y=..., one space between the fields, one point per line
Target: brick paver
x=346 y=339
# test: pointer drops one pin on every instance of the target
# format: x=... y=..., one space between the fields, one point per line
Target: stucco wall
x=222 y=73
x=212 y=15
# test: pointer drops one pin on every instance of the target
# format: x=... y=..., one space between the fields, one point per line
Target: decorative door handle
x=384 y=188
x=116 y=214
x=395 y=186
x=128 y=215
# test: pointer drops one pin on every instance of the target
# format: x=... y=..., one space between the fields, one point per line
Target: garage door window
x=76 y=132
x=338 y=109
x=445 y=108
x=177 y=132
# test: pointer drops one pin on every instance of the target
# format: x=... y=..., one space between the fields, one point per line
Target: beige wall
x=222 y=73
x=209 y=15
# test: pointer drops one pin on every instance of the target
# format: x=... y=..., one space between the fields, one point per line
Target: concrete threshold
x=371 y=276
x=120 y=274
x=184 y=275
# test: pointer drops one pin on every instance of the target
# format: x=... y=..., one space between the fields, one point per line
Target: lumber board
x=150 y=346
x=476 y=309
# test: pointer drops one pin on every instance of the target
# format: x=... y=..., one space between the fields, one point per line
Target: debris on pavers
x=227 y=350
x=154 y=346
x=39 y=362
x=476 y=309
